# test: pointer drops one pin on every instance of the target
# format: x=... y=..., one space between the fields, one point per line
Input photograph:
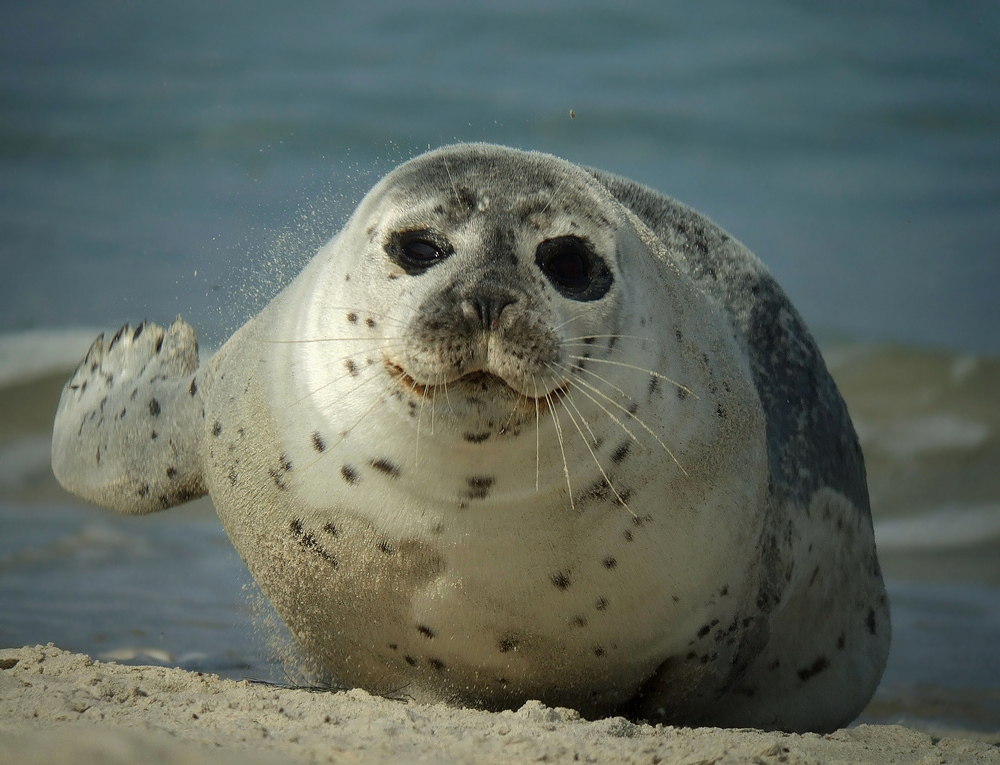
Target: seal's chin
x=475 y=384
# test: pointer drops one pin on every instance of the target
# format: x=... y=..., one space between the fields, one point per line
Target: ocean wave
x=946 y=529
x=904 y=438
x=26 y=462
x=34 y=354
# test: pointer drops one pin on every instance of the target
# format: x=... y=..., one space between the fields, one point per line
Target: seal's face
x=495 y=285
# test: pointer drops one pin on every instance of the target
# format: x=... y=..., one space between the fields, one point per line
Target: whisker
x=562 y=449
x=614 y=403
x=344 y=434
x=569 y=321
x=420 y=414
x=335 y=380
x=534 y=387
x=454 y=188
x=602 y=379
x=638 y=369
x=607 y=479
x=554 y=193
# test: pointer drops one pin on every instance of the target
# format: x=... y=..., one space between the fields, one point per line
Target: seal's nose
x=486 y=305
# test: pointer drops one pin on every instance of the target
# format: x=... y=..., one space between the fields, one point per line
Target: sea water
x=189 y=157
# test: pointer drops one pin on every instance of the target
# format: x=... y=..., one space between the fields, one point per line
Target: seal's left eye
x=421 y=251
x=573 y=268
x=418 y=250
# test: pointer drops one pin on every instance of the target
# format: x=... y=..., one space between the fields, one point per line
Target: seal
x=521 y=430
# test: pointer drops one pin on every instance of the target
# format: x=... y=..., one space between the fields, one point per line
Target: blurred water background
x=189 y=157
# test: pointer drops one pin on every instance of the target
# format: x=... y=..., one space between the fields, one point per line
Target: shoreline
x=62 y=707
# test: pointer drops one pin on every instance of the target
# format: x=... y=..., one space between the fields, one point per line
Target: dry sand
x=61 y=707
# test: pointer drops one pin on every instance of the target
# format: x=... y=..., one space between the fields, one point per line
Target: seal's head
x=494 y=273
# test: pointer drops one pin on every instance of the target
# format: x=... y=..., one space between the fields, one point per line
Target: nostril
x=487 y=308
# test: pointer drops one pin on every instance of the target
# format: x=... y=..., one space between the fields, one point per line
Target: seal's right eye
x=416 y=251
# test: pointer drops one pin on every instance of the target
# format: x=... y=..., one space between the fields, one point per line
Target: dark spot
x=370 y=323
x=159 y=344
x=330 y=529
x=508 y=644
x=411 y=661
x=393 y=646
x=654 y=384
x=600 y=490
x=317 y=441
x=385 y=466
x=144 y=490
x=436 y=664
x=633 y=409
x=138 y=331
x=812 y=579
x=720 y=411
x=216 y=428
x=871 y=621
x=476 y=438
x=427 y=632
x=579 y=621
x=628 y=535
x=681 y=393
x=164 y=501
x=610 y=562
x=154 y=435
x=154 y=407
x=385 y=547
x=351 y=367
x=350 y=475
x=194 y=387
x=561 y=580
x=232 y=476
x=704 y=630
x=602 y=604
x=277 y=476
x=117 y=337
x=171 y=472
x=724 y=591
x=774 y=665
x=479 y=486
x=621 y=453
x=352 y=317
x=813 y=669
x=841 y=641
x=296 y=527
x=598 y=652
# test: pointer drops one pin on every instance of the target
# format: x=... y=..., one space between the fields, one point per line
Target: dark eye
x=574 y=268
x=416 y=251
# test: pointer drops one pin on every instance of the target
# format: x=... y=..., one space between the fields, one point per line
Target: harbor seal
x=521 y=430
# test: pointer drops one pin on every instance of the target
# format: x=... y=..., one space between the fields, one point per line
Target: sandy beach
x=62 y=707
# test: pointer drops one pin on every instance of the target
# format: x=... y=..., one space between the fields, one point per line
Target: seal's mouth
x=475 y=382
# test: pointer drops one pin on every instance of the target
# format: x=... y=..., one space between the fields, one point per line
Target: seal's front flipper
x=129 y=427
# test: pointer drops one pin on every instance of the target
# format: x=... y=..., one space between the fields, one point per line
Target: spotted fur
x=540 y=432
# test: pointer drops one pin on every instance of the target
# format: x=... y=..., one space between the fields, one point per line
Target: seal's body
x=521 y=430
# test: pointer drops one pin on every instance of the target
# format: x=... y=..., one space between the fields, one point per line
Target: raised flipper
x=130 y=423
